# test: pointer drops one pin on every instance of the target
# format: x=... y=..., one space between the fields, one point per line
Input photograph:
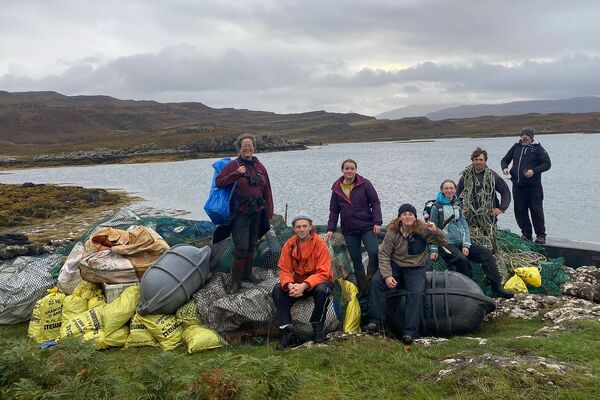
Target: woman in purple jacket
x=355 y=201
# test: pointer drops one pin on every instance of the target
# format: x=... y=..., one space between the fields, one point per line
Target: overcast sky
x=365 y=56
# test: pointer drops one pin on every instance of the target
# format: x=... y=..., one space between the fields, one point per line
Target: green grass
x=364 y=367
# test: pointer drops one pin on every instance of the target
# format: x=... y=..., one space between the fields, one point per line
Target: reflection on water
x=400 y=171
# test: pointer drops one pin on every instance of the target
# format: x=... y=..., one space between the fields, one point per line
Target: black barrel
x=454 y=305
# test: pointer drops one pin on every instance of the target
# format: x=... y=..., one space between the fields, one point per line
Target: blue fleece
x=457 y=229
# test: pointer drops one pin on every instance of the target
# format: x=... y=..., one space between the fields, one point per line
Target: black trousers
x=244 y=233
x=410 y=278
x=371 y=244
x=283 y=301
x=457 y=261
x=529 y=200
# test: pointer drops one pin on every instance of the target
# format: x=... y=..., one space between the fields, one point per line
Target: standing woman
x=355 y=201
x=402 y=258
x=251 y=207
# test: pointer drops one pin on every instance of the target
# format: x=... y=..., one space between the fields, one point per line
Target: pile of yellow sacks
x=524 y=276
x=86 y=314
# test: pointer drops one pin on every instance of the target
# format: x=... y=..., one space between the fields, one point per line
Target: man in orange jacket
x=304 y=270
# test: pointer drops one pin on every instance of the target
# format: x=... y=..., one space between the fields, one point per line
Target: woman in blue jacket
x=459 y=250
x=355 y=202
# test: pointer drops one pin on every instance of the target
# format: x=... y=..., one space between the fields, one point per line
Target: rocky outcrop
x=584 y=283
x=186 y=150
x=8 y=252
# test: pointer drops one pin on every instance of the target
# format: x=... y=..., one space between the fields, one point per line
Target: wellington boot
x=237 y=269
x=363 y=284
x=370 y=273
x=499 y=291
x=287 y=338
x=318 y=336
x=248 y=276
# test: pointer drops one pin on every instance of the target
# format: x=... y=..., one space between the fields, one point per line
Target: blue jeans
x=371 y=244
x=412 y=279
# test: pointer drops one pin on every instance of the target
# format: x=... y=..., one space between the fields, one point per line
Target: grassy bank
x=45 y=212
x=363 y=367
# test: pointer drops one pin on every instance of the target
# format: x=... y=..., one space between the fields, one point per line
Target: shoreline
x=100 y=157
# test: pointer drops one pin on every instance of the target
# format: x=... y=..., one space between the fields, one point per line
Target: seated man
x=459 y=250
x=304 y=270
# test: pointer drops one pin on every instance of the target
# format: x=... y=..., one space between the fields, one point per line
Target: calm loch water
x=400 y=171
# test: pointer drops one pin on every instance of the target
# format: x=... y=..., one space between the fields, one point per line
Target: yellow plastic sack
x=72 y=307
x=120 y=311
x=91 y=320
x=96 y=301
x=87 y=290
x=46 y=318
x=164 y=328
x=102 y=341
x=352 y=316
x=187 y=314
x=531 y=275
x=516 y=285
x=198 y=338
x=139 y=335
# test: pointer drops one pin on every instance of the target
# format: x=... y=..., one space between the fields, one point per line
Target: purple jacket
x=357 y=214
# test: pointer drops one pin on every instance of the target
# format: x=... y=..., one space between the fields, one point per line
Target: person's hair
x=418 y=227
x=238 y=141
x=477 y=152
x=447 y=181
x=349 y=160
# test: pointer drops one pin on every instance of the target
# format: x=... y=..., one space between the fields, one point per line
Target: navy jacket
x=531 y=156
x=358 y=213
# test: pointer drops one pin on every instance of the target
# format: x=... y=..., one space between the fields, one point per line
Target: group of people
x=460 y=212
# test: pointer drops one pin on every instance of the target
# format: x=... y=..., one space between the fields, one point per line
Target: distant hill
x=34 y=122
x=572 y=105
x=417 y=110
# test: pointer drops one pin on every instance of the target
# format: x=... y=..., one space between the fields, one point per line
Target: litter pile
x=156 y=281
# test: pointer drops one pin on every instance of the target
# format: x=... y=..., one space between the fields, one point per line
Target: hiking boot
x=287 y=338
x=540 y=239
x=407 y=340
x=237 y=269
x=363 y=284
x=499 y=291
x=318 y=336
x=374 y=328
x=248 y=276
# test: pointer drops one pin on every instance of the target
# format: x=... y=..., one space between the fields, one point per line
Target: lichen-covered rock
x=584 y=283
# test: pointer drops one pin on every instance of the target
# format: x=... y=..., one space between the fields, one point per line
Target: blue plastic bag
x=217 y=204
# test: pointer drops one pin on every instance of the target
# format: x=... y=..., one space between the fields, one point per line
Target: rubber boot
x=318 y=336
x=248 y=276
x=499 y=291
x=237 y=269
x=370 y=272
x=363 y=284
x=287 y=338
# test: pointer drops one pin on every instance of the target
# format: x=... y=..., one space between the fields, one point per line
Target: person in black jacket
x=529 y=160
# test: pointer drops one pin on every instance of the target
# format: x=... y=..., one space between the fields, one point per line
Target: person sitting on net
x=304 y=270
x=459 y=250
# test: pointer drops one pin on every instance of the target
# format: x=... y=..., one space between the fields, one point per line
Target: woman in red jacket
x=251 y=202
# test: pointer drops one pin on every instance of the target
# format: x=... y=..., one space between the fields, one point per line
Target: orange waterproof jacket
x=305 y=261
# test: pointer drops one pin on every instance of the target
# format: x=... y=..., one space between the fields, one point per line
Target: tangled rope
x=477 y=200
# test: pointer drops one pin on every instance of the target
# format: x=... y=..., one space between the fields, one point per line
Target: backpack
x=429 y=204
x=217 y=205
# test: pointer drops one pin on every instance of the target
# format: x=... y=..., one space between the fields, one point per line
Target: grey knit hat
x=302 y=215
x=529 y=132
x=407 y=207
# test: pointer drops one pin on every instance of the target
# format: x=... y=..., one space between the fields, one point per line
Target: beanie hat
x=529 y=132
x=302 y=215
x=407 y=207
